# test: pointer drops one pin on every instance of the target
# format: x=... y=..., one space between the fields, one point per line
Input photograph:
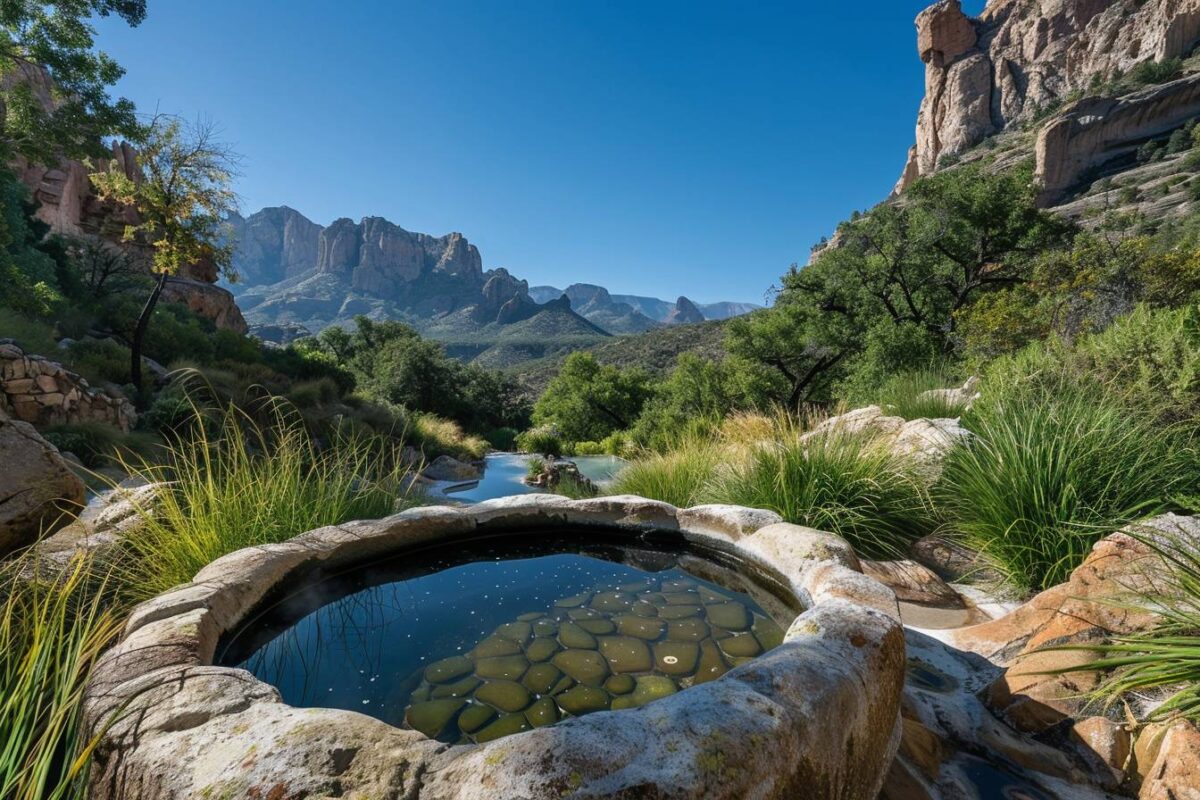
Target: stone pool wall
x=817 y=716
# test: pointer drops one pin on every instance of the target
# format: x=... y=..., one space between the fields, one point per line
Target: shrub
x=1151 y=72
x=97 y=444
x=504 y=439
x=1051 y=469
x=100 y=360
x=31 y=335
x=543 y=440
x=52 y=631
x=679 y=477
x=435 y=436
x=845 y=482
x=234 y=483
x=588 y=449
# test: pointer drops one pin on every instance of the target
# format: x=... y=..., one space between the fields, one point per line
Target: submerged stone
x=769 y=634
x=676 y=658
x=620 y=684
x=564 y=683
x=731 y=616
x=507 y=725
x=626 y=654
x=742 y=645
x=530 y=616
x=574 y=601
x=710 y=596
x=647 y=628
x=432 y=716
x=652 y=687
x=623 y=702
x=653 y=598
x=494 y=646
x=508 y=668
x=448 y=669
x=678 y=585
x=583 y=613
x=681 y=598
x=711 y=665
x=585 y=666
x=643 y=609
x=597 y=627
x=574 y=637
x=583 y=699
x=474 y=717
x=540 y=678
x=613 y=602
x=679 y=612
x=460 y=688
x=542 y=712
x=687 y=630
x=504 y=695
x=545 y=627
x=518 y=632
x=541 y=648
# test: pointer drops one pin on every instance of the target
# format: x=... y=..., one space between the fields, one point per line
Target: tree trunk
x=139 y=333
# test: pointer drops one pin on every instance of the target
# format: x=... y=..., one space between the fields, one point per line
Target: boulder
x=1091 y=606
x=38 y=491
x=447 y=468
x=913 y=583
x=1174 y=771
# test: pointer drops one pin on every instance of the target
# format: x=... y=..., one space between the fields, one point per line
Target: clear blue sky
x=658 y=148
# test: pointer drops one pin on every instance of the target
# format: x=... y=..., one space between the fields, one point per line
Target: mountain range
x=297 y=276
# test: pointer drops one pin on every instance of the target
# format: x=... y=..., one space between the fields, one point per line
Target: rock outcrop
x=42 y=392
x=274 y=244
x=38 y=491
x=684 y=313
x=1021 y=58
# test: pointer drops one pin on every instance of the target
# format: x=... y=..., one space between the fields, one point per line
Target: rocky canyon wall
x=1020 y=58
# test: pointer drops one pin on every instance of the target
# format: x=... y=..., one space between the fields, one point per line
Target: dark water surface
x=486 y=638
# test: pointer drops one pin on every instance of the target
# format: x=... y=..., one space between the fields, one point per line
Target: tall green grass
x=51 y=632
x=233 y=482
x=1053 y=468
x=906 y=395
x=844 y=482
x=680 y=476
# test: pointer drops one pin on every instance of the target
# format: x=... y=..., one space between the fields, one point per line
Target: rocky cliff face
x=684 y=313
x=274 y=244
x=1023 y=58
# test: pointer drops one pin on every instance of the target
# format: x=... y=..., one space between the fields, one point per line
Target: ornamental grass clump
x=1052 y=468
x=912 y=395
x=680 y=476
x=230 y=482
x=842 y=481
x=52 y=629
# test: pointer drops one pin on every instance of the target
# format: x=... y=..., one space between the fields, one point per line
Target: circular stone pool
x=481 y=639
x=480 y=652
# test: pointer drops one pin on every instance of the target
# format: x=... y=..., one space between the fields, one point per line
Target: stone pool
x=468 y=645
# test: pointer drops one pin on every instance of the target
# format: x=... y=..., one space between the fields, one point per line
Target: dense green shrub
x=588 y=400
x=1148 y=73
x=97 y=444
x=503 y=439
x=99 y=360
x=1053 y=466
x=32 y=335
x=543 y=440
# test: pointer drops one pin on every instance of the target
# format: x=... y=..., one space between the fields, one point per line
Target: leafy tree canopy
x=588 y=401
x=54 y=97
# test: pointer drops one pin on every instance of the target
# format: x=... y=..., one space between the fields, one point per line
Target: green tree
x=181 y=199
x=895 y=283
x=588 y=401
x=68 y=114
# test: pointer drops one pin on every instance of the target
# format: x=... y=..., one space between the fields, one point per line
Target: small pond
x=503 y=473
x=478 y=640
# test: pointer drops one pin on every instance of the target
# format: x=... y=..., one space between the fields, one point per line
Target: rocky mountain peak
x=684 y=313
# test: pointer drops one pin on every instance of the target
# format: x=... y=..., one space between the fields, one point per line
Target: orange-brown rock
x=1174 y=772
x=1087 y=608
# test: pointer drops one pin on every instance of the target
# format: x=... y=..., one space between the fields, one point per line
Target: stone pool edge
x=818 y=715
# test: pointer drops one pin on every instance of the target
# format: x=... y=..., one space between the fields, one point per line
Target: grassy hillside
x=654 y=351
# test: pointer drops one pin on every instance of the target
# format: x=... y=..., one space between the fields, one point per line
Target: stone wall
x=37 y=390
